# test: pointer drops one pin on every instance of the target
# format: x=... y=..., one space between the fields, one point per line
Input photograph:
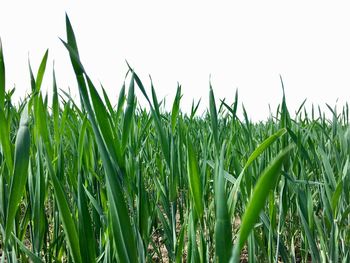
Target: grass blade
x=223 y=237
x=2 y=78
x=66 y=215
x=129 y=111
x=41 y=71
x=264 y=185
x=194 y=179
x=20 y=172
x=5 y=140
x=214 y=120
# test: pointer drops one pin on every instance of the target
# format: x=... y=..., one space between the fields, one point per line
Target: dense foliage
x=126 y=184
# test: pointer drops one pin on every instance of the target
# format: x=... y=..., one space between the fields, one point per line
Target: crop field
x=96 y=182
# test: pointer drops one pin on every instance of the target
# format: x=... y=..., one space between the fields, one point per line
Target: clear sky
x=242 y=44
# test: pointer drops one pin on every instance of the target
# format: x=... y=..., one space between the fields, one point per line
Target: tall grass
x=104 y=183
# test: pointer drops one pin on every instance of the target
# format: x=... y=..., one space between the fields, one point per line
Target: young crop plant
x=96 y=182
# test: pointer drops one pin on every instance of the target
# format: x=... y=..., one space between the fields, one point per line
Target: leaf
x=55 y=108
x=65 y=214
x=5 y=140
x=214 y=119
x=121 y=101
x=194 y=179
x=264 y=185
x=180 y=245
x=2 y=78
x=38 y=214
x=41 y=123
x=119 y=213
x=314 y=250
x=255 y=154
x=107 y=101
x=223 y=233
x=261 y=148
x=336 y=197
x=20 y=172
x=81 y=142
x=229 y=177
x=41 y=71
x=156 y=118
x=34 y=258
x=175 y=109
x=86 y=236
x=129 y=111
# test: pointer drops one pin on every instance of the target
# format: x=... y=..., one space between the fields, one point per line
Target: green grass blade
x=175 y=109
x=194 y=179
x=107 y=101
x=180 y=245
x=65 y=214
x=32 y=79
x=55 y=108
x=157 y=118
x=81 y=142
x=86 y=237
x=5 y=140
x=254 y=155
x=34 y=258
x=263 y=146
x=129 y=111
x=214 y=120
x=41 y=71
x=41 y=122
x=264 y=185
x=314 y=250
x=121 y=101
x=121 y=224
x=223 y=233
x=104 y=122
x=20 y=172
x=2 y=78
x=38 y=215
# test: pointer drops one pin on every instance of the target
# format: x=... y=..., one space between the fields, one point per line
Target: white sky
x=242 y=45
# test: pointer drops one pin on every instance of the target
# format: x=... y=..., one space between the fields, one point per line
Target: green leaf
x=156 y=118
x=119 y=213
x=214 y=119
x=314 y=250
x=121 y=101
x=41 y=123
x=38 y=213
x=129 y=111
x=20 y=172
x=175 y=109
x=86 y=237
x=2 y=78
x=55 y=108
x=41 y=71
x=104 y=122
x=261 y=148
x=107 y=101
x=5 y=140
x=223 y=233
x=81 y=142
x=180 y=245
x=336 y=197
x=65 y=214
x=254 y=155
x=264 y=185
x=34 y=258
x=194 y=179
